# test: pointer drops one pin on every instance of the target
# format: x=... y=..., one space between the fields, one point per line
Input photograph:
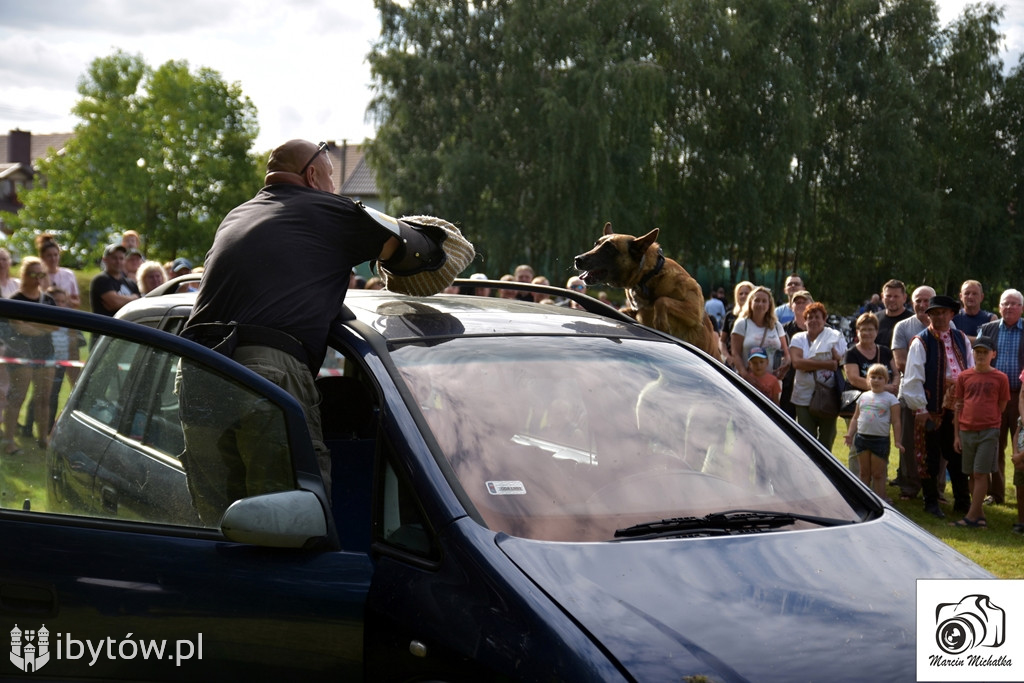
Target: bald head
x=291 y=156
x=301 y=162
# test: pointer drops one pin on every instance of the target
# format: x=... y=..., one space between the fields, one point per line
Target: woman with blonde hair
x=739 y=297
x=32 y=342
x=151 y=275
x=758 y=327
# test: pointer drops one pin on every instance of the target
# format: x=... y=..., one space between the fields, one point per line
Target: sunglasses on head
x=322 y=147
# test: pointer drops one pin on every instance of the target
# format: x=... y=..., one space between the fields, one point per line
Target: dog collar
x=642 y=285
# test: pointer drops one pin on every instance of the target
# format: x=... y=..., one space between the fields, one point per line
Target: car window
x=102 y=396
x=145 y=436
x=571 y=438
x=400 y=521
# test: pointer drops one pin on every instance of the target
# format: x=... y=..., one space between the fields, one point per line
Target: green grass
x=23 y=477
x=995 y=548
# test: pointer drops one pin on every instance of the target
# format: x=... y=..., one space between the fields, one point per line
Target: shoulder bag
x=824 y=401
x=848 y=400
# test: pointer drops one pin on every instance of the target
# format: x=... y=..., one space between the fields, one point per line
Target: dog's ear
x=608 y=228
x=641 y=244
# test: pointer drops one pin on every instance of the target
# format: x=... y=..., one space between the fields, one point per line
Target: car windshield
x=571 y=438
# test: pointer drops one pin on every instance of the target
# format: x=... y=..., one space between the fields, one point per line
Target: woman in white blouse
x=817 y=356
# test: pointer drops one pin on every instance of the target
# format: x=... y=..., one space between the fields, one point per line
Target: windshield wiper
x=723 y=523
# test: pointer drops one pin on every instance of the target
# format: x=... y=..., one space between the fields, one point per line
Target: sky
x=302 y=63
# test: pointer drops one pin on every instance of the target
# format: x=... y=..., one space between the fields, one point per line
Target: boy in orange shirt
x=982 y=393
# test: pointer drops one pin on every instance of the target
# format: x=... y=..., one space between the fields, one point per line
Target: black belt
x=226 y=337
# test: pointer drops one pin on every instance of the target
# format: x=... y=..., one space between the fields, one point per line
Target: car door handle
x=26 y=598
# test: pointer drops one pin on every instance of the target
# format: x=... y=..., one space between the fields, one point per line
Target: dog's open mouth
x=594 y=277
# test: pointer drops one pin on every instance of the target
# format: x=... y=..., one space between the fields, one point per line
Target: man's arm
x=899 y=356
x=912 y=387
x=967 y=340
x=389 y=249
x=112 y=301
x=899 y=346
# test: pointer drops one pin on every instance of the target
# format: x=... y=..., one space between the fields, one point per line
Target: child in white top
x=877 y=410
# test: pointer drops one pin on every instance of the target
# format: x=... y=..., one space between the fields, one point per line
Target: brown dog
x=659 y=290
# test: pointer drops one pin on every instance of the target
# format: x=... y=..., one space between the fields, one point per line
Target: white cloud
x=301 y=62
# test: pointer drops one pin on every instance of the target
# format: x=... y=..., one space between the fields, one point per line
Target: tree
x=531 y=121
x=163 y=152
x=969 y=159
x=851 y=141
x=1011 y=118
x=864 y=173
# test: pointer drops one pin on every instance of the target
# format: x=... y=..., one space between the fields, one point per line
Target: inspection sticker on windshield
x=970 y=630
x=506 y=488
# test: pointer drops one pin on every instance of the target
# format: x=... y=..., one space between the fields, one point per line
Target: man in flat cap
x=936 y=357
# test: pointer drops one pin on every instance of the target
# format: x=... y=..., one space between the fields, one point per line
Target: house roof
x=352 y=175
x=39 y=144
x=361 y=182
x=345 y=158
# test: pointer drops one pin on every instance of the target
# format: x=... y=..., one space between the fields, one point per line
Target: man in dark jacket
x=1008 y=334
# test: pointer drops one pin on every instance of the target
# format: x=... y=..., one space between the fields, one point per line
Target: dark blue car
x=520 y=492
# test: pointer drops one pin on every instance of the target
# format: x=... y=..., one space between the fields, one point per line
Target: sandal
x=979 y=523
x=12 y=447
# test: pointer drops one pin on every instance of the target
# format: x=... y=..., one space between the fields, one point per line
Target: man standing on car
x=275 y=279
x=110 y=290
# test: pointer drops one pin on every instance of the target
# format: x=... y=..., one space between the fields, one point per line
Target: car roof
x=405 y=318
x=156 y=306
x=398 y=317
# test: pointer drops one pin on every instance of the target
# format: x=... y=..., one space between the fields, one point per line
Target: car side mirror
x=285 y=519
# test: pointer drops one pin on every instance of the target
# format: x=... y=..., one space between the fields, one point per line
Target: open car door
x=117 y=565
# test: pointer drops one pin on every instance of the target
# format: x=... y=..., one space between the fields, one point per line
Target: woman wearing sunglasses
x=29 y=344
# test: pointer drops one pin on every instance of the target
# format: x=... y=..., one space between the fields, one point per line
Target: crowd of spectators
x=923 y=347
x=788 y=349
x=124 y=276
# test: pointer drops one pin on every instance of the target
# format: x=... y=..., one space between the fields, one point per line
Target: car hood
x=823 y=604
